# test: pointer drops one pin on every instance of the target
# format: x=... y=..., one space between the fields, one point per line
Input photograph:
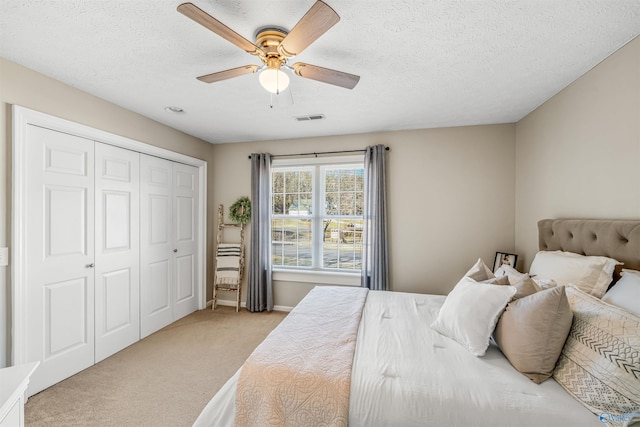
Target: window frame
x=316 y=273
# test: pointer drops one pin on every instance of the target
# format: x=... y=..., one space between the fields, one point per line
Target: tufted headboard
x=618 y=239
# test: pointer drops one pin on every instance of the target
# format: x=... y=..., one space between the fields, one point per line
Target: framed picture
x=504 y=258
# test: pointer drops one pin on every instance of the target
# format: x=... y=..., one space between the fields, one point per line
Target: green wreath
x=240 y=210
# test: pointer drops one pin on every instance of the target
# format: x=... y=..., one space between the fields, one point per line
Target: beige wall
x=451 y=195
x=578 y=155
x=24 y=87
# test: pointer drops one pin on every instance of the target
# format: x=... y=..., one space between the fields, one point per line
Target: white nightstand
x=14 y=382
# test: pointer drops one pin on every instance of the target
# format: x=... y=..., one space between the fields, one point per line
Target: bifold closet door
x=185 y=209
x=107 y=245
x=117 y=242
x=169 y=241
x=59 y=283
x=156 y=251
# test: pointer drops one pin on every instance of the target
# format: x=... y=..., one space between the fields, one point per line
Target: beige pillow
x=521 y=281
x=600 y=362
x=532 y=332
x=479 y=271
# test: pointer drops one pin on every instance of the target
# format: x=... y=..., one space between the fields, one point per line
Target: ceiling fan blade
x=192 y=11
x=326 y=75
x=228 y=74
x=313 y=24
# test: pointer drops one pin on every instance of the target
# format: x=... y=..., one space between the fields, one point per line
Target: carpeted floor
x=164 y=380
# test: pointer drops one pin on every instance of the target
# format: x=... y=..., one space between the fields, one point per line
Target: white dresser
x=13 y=383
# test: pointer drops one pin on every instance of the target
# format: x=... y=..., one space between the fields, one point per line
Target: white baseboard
x=231 y=303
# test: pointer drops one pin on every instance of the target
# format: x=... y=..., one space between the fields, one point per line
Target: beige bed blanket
x=301 y=373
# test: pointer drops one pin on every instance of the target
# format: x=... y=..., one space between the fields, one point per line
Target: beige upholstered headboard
x=617 y=239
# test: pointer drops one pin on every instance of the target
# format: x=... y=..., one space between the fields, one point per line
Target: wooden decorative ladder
x=228 y=287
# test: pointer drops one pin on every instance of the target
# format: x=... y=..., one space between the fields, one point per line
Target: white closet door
x=156 y=251
x=185 y=224
x=117 y=271
x=59 y=283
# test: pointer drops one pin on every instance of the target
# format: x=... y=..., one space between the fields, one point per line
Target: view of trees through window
x=328 y=237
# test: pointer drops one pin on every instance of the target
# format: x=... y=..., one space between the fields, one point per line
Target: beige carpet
x=164 y=380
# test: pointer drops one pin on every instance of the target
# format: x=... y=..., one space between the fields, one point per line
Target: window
x=317 y=215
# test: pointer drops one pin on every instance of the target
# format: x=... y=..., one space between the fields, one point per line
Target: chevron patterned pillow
x=600 y=361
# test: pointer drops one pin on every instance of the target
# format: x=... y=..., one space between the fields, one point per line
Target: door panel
x=185 y=267
x=160 y=220
x=117 y=302
x=117 y=220
x=159 y=291
x=115 y=169
x=185 y=178
x=66 y=309
x=59 y=282
x=66 y=224
x=159 y=174
x=185 y=207
x=117 y=266
x=185 y=219
x=66 y=160
x=156 y=255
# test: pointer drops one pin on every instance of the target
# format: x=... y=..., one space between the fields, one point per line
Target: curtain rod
x=321 y=153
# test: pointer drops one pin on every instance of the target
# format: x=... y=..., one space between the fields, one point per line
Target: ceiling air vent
x=309 y=117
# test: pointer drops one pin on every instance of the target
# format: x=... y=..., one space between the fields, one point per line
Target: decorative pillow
x=521 y=281
x=626 y=292
x=600 y=361
x=532 y=330
x=480 y=271
x=543 y=283
x=504 y=280
x=470 y=312
x=592 y=274
x=513 y=274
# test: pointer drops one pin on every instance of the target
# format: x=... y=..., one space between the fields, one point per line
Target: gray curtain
x=260 y=289
x=375 y=269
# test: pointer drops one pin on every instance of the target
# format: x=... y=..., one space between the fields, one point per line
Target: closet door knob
x=90 y=265
x=175 y=250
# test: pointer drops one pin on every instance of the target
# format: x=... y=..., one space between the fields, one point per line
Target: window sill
x=314 y=276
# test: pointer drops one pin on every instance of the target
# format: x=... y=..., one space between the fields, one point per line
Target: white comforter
x=405 y=374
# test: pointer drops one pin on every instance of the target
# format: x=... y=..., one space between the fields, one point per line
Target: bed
x=406 y=373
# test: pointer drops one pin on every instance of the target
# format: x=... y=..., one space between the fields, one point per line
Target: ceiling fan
x=274 y=46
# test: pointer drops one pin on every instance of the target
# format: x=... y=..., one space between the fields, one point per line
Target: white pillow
x=479 y=271
x=626 y=292
x=513 y=274
x=521 y=281
x=470 y=313
x=543 y=283
x=591 y=274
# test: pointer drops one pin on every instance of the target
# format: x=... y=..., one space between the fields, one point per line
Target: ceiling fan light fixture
x=274 y=80
x=274 y=46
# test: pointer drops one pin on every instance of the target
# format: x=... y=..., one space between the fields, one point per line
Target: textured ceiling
x=423 y=64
